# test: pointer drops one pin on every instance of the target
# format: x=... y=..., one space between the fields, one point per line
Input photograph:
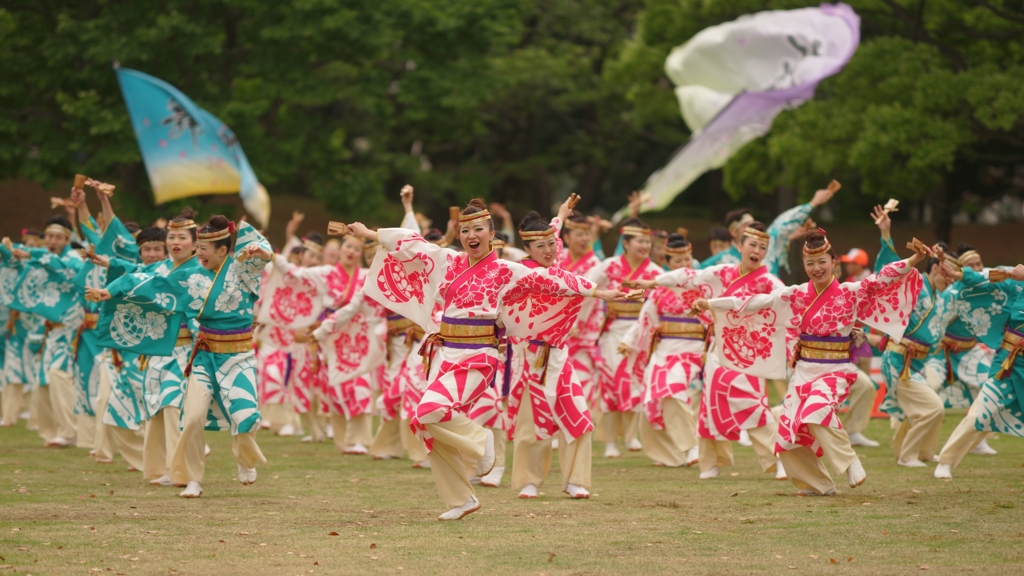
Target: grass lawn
x=61 y=513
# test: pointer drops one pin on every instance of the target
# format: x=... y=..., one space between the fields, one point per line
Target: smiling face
x=210 y=257
x=152 y=252
x=180 y=245
x=677 y=262
x=542 y=251
x=351 y=252
x=637 y=247
x=752 y=252
x=578 y=241
x=476 y=238
x=332 y=252
x=819 y=268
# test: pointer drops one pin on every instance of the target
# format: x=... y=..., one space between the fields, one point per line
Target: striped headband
x=967 y=256
x=497 y=244
x=474 y=217
x=160 y=242
x=680 y=251
x=745 y=219
x=58 y=229
x=217 y=234
x=756 y=234
x=310 y=245
x=634 y=231
x=531 y=235
x=572 y=225
x=820 y=249
x=182 y=225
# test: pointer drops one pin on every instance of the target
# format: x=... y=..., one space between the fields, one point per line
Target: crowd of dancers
x=136 y=341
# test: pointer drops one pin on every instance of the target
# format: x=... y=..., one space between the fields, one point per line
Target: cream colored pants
x=55 y=406
x=807 y=472
x=669 y=446
x=965 y=437
x=531 y=458
x=86 y=432
x=348 y=433
x=387 y=443
x=862 y=401
x=280 y=415
x=162 y=434
x=129 y=443
x=417 y=451
x=13 y=398
x=719 y=452
x=317 y=422
x=615 y=424
x=455 y=443
x=917 y=438
x=189 y=461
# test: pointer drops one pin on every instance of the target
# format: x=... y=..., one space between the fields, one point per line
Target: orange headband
x=474 y=217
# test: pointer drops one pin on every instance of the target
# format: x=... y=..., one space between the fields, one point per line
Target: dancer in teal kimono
x=44 y=287
x=221 y=390
x=998 y=407
x=909 y=398
x=784 y=226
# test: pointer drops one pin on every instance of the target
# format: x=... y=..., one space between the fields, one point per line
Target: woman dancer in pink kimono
x=732 y=400
x=478 y=292
x=824 y=312
x=579 y=258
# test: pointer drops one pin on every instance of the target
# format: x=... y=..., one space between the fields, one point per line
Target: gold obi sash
x=184 y=336
x=680 y=327
x=822 y=349
x=624 y=310
x=224 y=341
x=463 y=333
x=402 y=325
x=1013 y=342
x=955 y=345
x=910 y=349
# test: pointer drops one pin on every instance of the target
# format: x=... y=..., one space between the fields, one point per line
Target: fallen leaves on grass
x=551 y=557
x=373 y=545
x=333 y=534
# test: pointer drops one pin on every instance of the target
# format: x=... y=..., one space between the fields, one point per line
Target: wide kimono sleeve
x=119 y=267
x=639 y=335
x=356 y=339
x=359 y=304
x=887 y=254
x=291 y=296
x=249 y=272
x=752 y=332
x=593 y=311
x=542 y=303
x=983 y=306
x=778 y=233
x=885 y=299
x=90 y=231
x=117 y=241
x=406 y=275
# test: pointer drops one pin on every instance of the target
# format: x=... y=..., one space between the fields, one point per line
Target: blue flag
x=187 y=150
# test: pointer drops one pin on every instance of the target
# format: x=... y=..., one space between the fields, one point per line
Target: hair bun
x=477 y=204
x=187 y=214
x=218 y=222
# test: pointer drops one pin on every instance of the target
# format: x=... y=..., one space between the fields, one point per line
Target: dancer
x=998 y=406
x=909 y=396
x=732 y=401
x=621 y=391
x=578 y=233
x=671 y=344
x=546 y=400
x=863 y=391
x=478 y=290
x=24 y=335
x=221 y=389
x=824 y=311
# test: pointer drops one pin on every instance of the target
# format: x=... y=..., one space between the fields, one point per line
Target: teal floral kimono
x=928 y=321
x=777 y=257
x=222 y=304
x=999 y=407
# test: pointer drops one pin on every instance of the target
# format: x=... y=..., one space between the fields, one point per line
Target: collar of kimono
x=633 y=271
x=572 y=225
x=530 y=263
x=634 y=231
x=531 y=235
x=182 y=225
x=474 y=217
x=927 y=288
x=58 y=229
x=471 y=269
x=967 y=257
x=574 y=264
x=745 y=219
x=819 y=299
x=743 y=279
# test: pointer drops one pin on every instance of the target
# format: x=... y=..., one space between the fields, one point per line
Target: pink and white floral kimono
x=354 y=350
x=754 y=336
x=581 y=345
x=411 y=274
x=732 y=400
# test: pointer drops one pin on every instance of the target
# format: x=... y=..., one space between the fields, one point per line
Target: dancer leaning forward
x=409 y=274
x=753 y=339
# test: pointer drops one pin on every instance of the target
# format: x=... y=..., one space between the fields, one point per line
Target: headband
x=217 y=234
x=370 y=244
x=963 y=259
x=571 y=225
x=820 y=249
x=756 y=234
x=497 y=244
x=310 y=245
x=634 y=231
x=681 y=251
x=531 y=235
x=59 y=229
x=474 y=217
x=745 y=219
x=182 y=225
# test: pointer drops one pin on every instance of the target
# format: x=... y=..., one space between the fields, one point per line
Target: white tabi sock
x=528 y=491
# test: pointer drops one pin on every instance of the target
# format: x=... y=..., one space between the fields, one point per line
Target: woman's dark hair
x=575 y=217
x=31 y=232
x=477 y=205
x=634 y=223
x=501 y=236
x=963 y=247
x=933 y=262
x=433 y=235
x=152 y=234
x=314 y=237
x=533 y=222
x=755 y=225
x=60 y=220
x=735 y=215
x=813 y=239
x=296 y=251
x=677 y=241
x=185 y=215
x=132 y=226
x=216 y=224
x=721 y=234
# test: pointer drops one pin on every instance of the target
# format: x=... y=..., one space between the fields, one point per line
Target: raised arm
x=252 y=253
